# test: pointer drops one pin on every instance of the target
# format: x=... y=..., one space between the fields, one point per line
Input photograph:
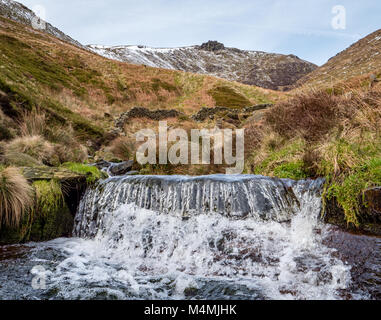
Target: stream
x=213 y=237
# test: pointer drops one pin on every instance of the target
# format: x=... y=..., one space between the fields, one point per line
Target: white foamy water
x=139 y=253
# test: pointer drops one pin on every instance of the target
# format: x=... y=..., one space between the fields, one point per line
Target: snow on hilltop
x=268 y=70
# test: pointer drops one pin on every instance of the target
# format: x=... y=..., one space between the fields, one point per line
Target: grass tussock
x=35 y=147
x=16 y=196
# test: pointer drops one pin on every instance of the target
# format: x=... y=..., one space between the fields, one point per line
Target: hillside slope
x=17 y=12
x=267 y=70
x=359 y=59
x=75 y=85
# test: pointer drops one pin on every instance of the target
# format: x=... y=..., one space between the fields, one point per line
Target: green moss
x=52 y=217
x=20 y=234
x=350 y=167
x=292 y=170
x=92 y=173
x=49 y=196
x=225 y=96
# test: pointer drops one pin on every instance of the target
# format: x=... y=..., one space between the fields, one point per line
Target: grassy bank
x=331 y=133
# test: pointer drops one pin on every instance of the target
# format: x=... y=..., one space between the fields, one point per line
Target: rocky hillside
x=17 y=12
x=267 y=70
x=359 y=59
x=78 y=87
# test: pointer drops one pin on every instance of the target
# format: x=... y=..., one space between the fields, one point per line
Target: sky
x=314 y=30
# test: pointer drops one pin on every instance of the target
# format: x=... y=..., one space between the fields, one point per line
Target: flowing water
x=212 y=237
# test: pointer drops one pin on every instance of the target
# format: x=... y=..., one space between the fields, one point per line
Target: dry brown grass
x=34 y=146
x=311 y=114
x=32 y=123
x=16 y=196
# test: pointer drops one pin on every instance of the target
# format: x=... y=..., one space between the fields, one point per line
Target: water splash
x=215 y=237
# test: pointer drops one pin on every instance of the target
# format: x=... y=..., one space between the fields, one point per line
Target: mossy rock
x=54 y=223
x=41 y=226
x=50 y=173
x=52 y=215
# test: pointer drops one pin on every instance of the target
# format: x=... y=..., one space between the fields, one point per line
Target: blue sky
x=300 y=27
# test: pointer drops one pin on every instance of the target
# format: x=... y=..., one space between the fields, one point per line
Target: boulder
x=120 y=169
x=102 y=164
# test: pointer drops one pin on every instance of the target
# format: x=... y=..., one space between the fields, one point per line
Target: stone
x=102 y=164
x=120 y=169
x=49 y=173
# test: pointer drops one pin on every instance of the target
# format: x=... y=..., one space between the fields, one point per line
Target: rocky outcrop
x=267 y=70
x=212 y=46
x=140 y=112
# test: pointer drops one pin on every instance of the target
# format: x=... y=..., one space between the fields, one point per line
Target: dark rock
x=121 y=169
x=257 y=107
x=212 y=46
x=205 y=113
x=102 y=164
x=6 y=106
x=371 y=208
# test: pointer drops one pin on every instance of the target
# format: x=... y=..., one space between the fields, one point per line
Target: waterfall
x=211 y=237
x=239 y=197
